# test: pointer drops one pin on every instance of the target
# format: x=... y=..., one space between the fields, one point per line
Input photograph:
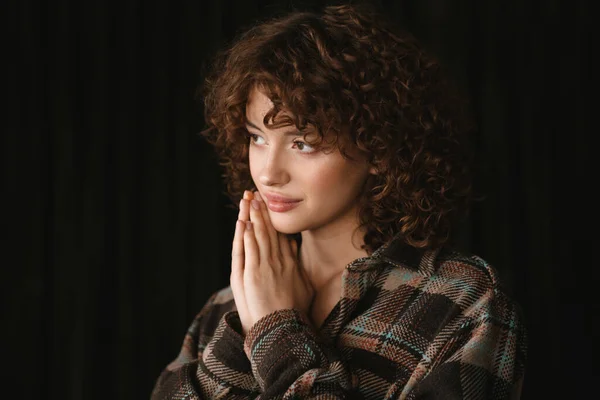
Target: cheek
x=328 y=180
x=252 y=165
x=338 y=183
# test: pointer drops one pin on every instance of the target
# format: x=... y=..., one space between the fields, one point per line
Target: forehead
x=257 y=100
x=258 y=105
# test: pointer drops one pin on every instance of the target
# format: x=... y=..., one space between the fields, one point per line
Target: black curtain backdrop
x=117 y=230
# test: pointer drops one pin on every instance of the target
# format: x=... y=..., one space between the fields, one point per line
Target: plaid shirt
x=410 y=324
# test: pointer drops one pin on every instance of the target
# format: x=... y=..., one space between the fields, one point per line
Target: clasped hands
x=265 y=272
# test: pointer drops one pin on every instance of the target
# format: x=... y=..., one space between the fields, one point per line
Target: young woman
x=348 y=154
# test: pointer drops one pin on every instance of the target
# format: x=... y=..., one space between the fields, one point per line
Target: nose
x=273 y=170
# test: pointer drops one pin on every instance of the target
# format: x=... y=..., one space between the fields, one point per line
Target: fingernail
x=255 y=204
x=248 y=225
x=257 y=196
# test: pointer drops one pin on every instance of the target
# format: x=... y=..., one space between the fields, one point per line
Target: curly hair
x=369 y=85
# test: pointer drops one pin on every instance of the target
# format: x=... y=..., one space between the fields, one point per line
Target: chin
x=287 y=228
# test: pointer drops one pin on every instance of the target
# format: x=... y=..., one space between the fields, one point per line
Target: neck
x=326 y=252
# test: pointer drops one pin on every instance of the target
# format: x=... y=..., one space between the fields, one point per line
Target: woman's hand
x=265 y=274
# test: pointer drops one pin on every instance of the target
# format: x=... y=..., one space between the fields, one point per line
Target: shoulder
x=222 y=296
x=465 y=271
x=476 y=285
x=202 y=329
x=454 y=293
x=474 y=332
x=443 y=265
x=207 y=319
x=462 y=281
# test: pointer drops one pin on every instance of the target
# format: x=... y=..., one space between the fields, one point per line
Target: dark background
x=117 y=227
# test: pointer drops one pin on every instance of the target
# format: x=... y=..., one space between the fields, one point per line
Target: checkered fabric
x=410 y=324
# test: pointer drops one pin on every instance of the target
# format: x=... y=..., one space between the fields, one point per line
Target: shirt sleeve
x=484 y=359
x=289 y=362
x=209 y=366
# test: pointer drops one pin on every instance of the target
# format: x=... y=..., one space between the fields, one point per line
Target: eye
x=300 y=145
x=253 y=137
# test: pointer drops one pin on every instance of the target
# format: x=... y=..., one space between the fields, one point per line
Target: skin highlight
x=327 y=184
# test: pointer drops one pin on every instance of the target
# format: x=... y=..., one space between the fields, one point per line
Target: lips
x=275 y=198
x=279 y=203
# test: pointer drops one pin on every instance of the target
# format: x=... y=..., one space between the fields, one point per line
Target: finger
x=251 y=251
x=237 y=254
x=273 y=234
x=237 y=249
x=260 y=232
x=236 y=279
x=286 y=250
x=244 y=214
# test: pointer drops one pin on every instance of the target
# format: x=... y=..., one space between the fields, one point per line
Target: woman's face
x=325 y=185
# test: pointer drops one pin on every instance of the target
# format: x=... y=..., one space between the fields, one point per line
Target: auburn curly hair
x=347 y=73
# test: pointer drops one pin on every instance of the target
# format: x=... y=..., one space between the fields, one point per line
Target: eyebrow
x=288 y=133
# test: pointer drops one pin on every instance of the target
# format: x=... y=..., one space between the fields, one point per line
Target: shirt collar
x=397 y=253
